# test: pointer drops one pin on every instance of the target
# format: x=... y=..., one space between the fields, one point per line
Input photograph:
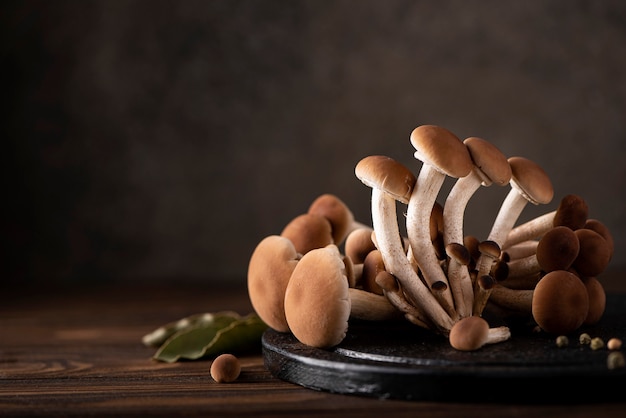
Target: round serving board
x=399 y=360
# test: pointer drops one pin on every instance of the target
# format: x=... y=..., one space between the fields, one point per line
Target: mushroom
x=594 y=254
x=338 y=214
x=225 y=368
x=390 y=182
x=319 y=302
x=490 y=166
x=597 y=300
x=559 y=303
x=308 y=231
x=556 y=250
x=358 y=244
x=529 y=184
x=602 y=229
x=572 y=212
x=372 y=265
x=442 y=154
x=473 y=332
x=269 y=269
x=392 y=291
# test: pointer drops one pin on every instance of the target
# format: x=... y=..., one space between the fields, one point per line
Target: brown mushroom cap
x=337 y=212
x=572 y=212
x=372 y=265
x=308 y=231
x=602 y=229
x=440 y=148
x=557 y=249
x=469 y=333
x=358 y=244
x=528 y=178
x=317 y=299
x=597 y=300
x=269 y=270
x=560 y=302
x=384 y=173
x=490 y=163
x=594 y=254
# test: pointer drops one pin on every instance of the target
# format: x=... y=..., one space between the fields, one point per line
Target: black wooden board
x=398 y=360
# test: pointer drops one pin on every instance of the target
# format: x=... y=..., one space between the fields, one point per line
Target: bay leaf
x=224 y=334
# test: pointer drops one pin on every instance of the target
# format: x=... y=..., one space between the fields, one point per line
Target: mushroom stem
x=392 y=291
x=453 y=210
x=389 y=243
x=429 y=182
x=521 y=250
x=371 y=307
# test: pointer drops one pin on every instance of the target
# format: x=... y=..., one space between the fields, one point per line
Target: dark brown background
x=164 y=139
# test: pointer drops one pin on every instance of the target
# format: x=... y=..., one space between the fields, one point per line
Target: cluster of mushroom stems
x=325 y=267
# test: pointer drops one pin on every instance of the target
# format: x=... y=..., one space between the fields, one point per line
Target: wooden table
x=77 y=351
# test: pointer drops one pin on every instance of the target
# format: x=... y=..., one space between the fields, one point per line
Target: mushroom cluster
x=325 y=267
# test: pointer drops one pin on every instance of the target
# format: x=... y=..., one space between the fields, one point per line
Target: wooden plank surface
x=77 y=351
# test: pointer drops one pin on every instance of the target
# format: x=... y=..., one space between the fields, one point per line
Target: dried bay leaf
x=162 y=333
x=226 y=333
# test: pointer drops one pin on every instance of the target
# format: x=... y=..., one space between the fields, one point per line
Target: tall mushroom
x=391 y=181
x=529 y=184
x=442 y=154
x=490 y=167
x=319 y=302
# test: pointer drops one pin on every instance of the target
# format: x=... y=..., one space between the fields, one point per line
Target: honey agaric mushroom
x=597 y=300
x=559 y=303
x=372 y=265
x=572 y=212
x=338 y=214
x=442 y=154
x=393 y=292
x=391 y=181
x=308 y=231
x=594 y=254
x=490 y=167
x=319 y=302
x=529 y=184
x=556 y=250
x=358 y=244
x=473 y=332
x=269 y=270
x=602 y=229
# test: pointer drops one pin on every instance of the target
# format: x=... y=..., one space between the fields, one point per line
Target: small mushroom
x=602 y=229
x=473 y=332
x=597 y=300
x=572 y=213
x=308 y=231
x=490 y=167
x=393 y=292
x=319 y=302
x=556 y=250
x=358 y=244
x=442 y=154
x=559 y=303
x=390 y=182
x=269 y=270
x=225 y=368
x=594 y=255
x=529 y=184
x=338 y=214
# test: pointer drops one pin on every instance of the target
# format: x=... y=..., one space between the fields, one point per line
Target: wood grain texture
x=78 y=352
